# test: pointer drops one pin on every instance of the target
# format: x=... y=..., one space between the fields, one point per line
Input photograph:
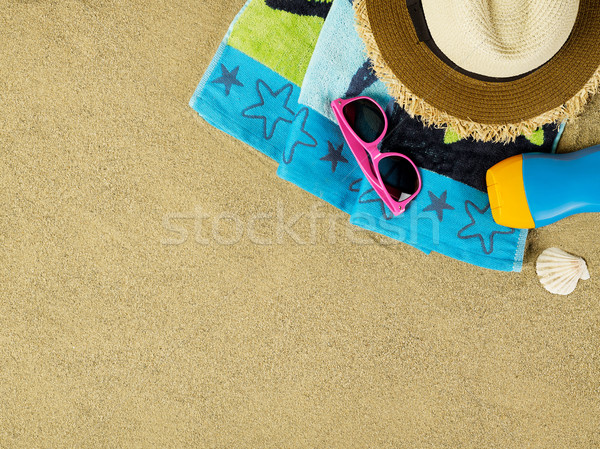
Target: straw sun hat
x=490 y=69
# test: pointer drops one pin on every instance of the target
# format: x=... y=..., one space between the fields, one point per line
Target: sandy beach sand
x=124 y=324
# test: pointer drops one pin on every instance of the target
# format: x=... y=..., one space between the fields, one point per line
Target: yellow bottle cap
x=507 y=194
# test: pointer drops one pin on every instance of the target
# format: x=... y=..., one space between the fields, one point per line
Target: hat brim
x=426 y=86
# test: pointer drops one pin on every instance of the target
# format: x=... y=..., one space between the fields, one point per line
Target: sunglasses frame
x=363 y=150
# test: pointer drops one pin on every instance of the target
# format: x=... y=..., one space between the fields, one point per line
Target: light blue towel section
x=338 y=67
x=260 y=107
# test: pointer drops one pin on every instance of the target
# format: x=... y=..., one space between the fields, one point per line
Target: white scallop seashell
x=559 y=271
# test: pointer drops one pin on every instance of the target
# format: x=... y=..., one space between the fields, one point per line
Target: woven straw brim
x=491 y=111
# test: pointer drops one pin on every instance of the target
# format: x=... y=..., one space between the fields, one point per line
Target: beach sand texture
x=123 y=325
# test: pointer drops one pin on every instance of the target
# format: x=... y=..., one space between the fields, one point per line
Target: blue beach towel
x=251 y=91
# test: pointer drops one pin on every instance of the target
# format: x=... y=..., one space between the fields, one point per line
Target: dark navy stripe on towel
x=301 y=7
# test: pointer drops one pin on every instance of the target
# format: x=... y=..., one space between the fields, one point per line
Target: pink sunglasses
x=395 y=178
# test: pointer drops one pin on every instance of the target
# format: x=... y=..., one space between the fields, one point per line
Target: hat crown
x=500 y=38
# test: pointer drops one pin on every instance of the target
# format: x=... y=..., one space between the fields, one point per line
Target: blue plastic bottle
x=537 y=189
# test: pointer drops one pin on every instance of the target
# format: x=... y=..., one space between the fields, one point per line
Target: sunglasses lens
x=399 y=176
x=365 y=118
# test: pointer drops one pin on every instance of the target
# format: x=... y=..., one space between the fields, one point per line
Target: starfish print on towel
x=334 y=155
x=228 y=79
x=303 y=136
x=475 y=231
x=438 y=204
x=370 y=196
x=272 y=108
